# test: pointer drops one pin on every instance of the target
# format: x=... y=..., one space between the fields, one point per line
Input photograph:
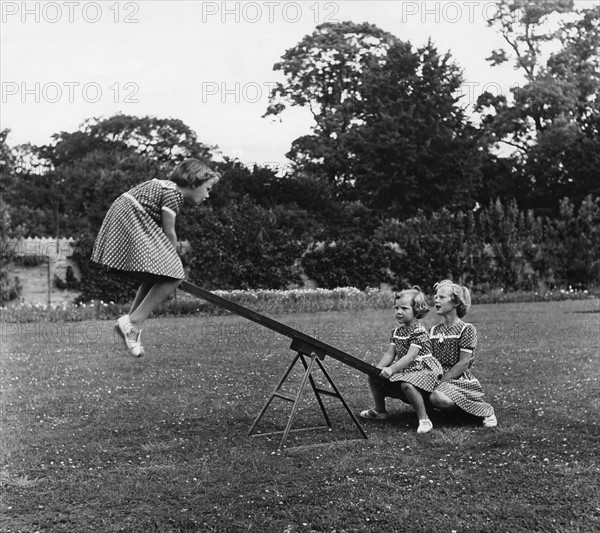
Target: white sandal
x=490 y=421
x=425 y=426
x=373 y=414
x=125 y=329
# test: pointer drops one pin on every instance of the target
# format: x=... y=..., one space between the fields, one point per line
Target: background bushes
x=244 y=246
x=499 y=247
x=354 y=262
x=97 y=282
x=247 y=246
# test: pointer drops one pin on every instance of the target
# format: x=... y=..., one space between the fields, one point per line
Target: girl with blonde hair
x=453 y=344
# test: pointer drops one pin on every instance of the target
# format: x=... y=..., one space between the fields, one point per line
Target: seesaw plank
x=279 y=327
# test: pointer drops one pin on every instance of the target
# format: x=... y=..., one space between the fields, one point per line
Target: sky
x=209 y=64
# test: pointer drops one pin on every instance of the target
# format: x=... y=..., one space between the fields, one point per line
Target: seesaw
x=309 y=352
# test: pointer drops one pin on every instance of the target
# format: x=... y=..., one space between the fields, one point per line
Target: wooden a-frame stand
x=304 y=351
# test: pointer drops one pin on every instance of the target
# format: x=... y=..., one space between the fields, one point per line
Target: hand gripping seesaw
x=309 y=351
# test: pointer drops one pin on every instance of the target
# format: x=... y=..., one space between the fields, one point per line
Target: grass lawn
x=95 y=441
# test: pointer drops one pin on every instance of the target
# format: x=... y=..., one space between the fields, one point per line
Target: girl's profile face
x=405 y=314
x=202 y=192
x=444 y=302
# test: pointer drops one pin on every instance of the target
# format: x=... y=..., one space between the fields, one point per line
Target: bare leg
x=441 y=401
x=140 y=295
x=416 y=400
x=376 y=387
x=153 y=298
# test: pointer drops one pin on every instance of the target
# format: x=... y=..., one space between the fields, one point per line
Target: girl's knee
x=441 y=401
x=436 y=399
x=406 y=386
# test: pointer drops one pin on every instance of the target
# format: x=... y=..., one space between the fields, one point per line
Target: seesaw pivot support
x=310 y=357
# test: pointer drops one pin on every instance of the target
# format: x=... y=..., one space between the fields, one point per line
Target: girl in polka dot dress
x=138 y=238
x=408 y=368
x=453 y=344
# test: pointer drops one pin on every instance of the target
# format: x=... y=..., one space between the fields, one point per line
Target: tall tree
x=163 y=140
x=82 y=172
x=388 y=126
x=415 y=149
x=324 y=73
x=553 y=120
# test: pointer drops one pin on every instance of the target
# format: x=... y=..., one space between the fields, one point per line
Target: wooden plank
x=279 y=327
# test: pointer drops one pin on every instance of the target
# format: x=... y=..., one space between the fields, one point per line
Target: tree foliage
x=243 y=247
x=388 y=129
x=324 y=73
x=10 y=286
x=572 y=243
x=553 y=121
x=499 y=246
x=80 y=173
x=97 y=281
x=351 y=262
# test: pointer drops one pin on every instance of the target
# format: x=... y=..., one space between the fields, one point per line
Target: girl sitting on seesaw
x=408 y=368
x=138 y=238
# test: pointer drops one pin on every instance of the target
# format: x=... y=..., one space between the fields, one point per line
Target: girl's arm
x=168 y=226
x=387 y=357
x=458 y=368
x=403 y=362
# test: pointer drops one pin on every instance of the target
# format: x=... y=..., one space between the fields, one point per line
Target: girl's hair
x=192 y=173
x=417 y=300
x=460 y=295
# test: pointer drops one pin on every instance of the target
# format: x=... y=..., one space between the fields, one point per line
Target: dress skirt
x=467 y=393
x=131 y=241
x=424 y=374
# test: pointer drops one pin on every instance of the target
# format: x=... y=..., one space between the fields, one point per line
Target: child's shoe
x=373 y=414
x=126 y=330
x=490 y=421
x=425 y=426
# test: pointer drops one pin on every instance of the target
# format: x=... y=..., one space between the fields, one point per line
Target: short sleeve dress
x=465 y=391
x=131 y=238
x=425 y=371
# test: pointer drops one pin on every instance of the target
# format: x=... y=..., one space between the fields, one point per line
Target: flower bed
x=262 y=301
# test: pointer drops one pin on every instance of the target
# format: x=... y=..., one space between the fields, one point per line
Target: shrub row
x=250 y=247
x=491 y=248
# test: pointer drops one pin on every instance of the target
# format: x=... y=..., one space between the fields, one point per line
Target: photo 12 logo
x=279 y=169
x=254 y=12
x=237 y=92
x=447 y=11
x=38 y=250
x=53 y=92
x=470 y=91
x=69 y=12
x=54 y=332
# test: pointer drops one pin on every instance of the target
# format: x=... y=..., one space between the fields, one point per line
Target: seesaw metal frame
x=310 y=352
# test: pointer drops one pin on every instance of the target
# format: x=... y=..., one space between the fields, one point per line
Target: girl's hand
x=386 y=372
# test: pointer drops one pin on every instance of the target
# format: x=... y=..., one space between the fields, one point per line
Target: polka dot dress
x=131 y=237
x=425 y=371
x=465 y=391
